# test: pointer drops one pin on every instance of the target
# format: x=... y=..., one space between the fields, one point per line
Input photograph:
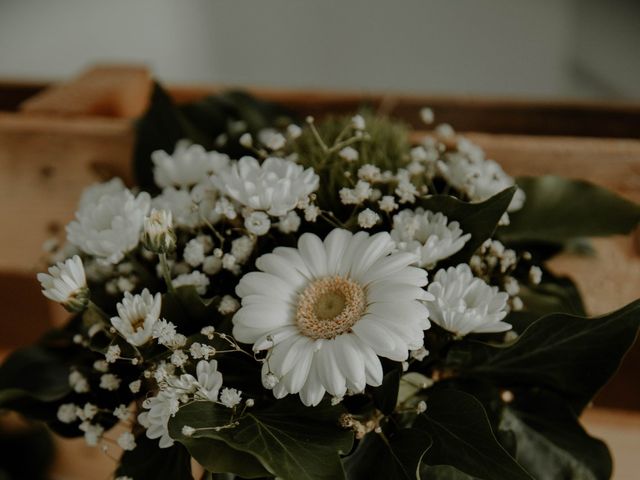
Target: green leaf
x=559 y=209
x=290 y=440
x=570 y=355
x=550 y=441
x=443 y=472
x=159 y=128
x=188 y=310
x=386 y=395
x=397 y=458
x=478 y=219
x=462 y=437
x=33 y=373
x=218 y=457
x=553 y=295
x=150 y=462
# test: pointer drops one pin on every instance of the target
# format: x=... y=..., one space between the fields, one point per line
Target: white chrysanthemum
x=180 y=203
x=327 y=310
x=156 y=420
x=189 y=164
x=66 y=283
x=92 y=194
x=479 y=178
x=110 y=227
x=427 y=234
x=209 y=380
x=137 y=317
x=466 y=304
x=276 y=186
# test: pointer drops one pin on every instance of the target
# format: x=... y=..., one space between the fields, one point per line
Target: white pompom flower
x=275 y=186
x=188 y=165
x=137 y=317
x=110 y=227
x=327 y=310
x=466 y=304
x=427 y=234
x=66 y=284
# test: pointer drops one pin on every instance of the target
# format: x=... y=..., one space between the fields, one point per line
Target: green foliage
x=478 y=219
x=32 y=374
x=570 y=355
x=382 y=458
x=559 y=209
x=462 y=437
x=148 y=462
x=550 y=441
x=290 y=440
x=387 y=147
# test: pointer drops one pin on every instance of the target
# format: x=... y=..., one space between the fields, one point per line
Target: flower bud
x=158 y=235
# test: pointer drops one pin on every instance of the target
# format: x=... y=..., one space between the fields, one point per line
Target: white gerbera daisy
x=137 y=316
x=276 y=186
x=66 y=284
x=110 y=227
x=429 y=235
x=188 y=165
x=326 y=310
x=466 y=304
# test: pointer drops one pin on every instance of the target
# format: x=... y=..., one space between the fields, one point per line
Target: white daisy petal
x=326 y=311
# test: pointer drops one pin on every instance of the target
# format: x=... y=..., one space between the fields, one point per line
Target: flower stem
x=166 y=272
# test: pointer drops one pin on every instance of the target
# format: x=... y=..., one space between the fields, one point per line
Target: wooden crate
x=57 y=139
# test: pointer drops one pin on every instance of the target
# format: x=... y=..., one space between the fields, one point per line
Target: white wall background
x=496 y=47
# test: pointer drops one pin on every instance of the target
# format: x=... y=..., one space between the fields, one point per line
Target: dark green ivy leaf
x=462 y=437
x=386 y=395
x=290 y=440
x=570 y=355
x=150 y=462
x=478 y=219
x=398 y=457
x=443 y=472
x=550 y=441
x=33 y=373
x=559 y=209
x=159 y=128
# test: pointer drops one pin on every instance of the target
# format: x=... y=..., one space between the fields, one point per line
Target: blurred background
x=543 y=48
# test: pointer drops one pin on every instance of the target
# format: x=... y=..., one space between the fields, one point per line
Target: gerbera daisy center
x=329 y=307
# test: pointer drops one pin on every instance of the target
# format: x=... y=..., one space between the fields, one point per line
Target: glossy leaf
x=570 y=355
x=218 y=457
x=550 y=441
x=386 y=395
x=559 y=209
x=398 y=457
x=33 y=373
x=478 y=219
x=150 y=462
x=290 y=440
x=462 y=437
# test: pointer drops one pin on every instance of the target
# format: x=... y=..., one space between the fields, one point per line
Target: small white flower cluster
x=178 y=389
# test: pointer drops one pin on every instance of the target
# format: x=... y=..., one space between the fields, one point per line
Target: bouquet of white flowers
x=323 y=300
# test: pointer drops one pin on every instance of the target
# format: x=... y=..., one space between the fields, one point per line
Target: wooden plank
x=588 y=118
x=110 y=90
x=44 y=166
